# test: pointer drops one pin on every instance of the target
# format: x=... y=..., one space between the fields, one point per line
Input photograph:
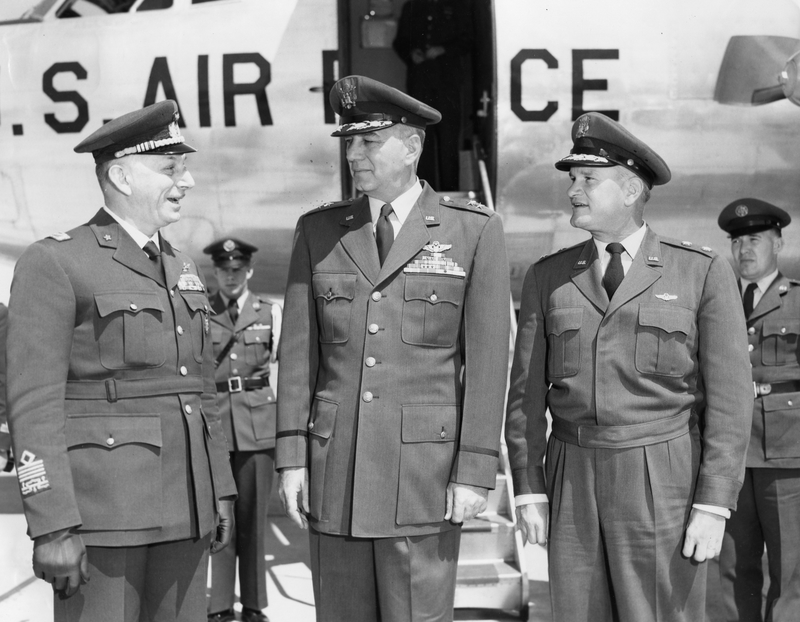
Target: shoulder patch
x=60 y=236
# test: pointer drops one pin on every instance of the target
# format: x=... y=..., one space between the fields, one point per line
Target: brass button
x=751 y=330
x=373 y=328
x=234 y=356
x=790 y=403
x=172 y=293
x=376 y=296
x=434 y=298
x=443 y=434
x=133 y=306
x=179 y=330
x=370 y=361
x=110 y=441
x=235 y=371
x=258 y=338
x=750 y=347
x=310 y=425
x=184 y=371
x=367 y=397
x=783 y=330
x=188 y=409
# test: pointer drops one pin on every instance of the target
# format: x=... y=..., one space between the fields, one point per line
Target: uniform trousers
x=252 y=472
x=384 y=579
x=768 y=512
x=163 y=582
x=617 y=521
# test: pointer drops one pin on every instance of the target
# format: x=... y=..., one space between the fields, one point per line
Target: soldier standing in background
x=768 y=511
x=245 y=330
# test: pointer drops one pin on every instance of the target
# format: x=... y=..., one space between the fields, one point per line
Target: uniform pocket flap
x=111 y=432
x=434 y=290
x=781 y=401
x=323 y=418
x=781 y=326
x=196 y=302
x=560 y=320
x=256 y=336
x=259 y=397
x=670 y=319
x=332 y=286
x=430 y=423
x=132 y=302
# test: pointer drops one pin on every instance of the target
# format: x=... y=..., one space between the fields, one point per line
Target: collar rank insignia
x=783 y=288
x=436 y=262
x=349 y=217
x=707 y=249
x=257 y=305
x=107 y=237
x=685 y=243
x=652 y=258
x=32 y=475
x=190 y=283
x=429 y=218
x=666 y=297
x=581 y=262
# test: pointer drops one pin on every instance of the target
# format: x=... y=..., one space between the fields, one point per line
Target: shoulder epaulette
x=690 y=246
x=60 y=236
x=559 y=251
x=330 y=205
x=470 y=205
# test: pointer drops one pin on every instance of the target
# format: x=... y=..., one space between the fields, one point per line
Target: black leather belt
x=236 y=384
x=765 y=388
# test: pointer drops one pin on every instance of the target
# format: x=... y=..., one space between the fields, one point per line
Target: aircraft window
x=201 y=1
x=86 y=8
x=154 y=5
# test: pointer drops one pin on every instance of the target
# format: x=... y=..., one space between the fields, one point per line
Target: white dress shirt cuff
x=714 y=509
x=532 y=498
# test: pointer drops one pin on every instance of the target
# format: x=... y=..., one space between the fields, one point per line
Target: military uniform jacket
x=773 y=331
x=668 y=343
x=392 y=378
x=5 y=438
x=248 y=416
x=112 y=402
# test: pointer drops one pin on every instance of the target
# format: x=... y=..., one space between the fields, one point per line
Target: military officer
x=122 y=461
x=629 y=339
x=245 y=331
x=393 y=368
x=768 y=511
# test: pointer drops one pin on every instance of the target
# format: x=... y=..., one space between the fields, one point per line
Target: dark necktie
x=384 y=232
x=152 y=252
x=614 y=271
x=747 y=299
x=233 y=310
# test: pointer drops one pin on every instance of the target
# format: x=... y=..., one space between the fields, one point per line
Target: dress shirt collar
x=140 y=238
x=631 y=244
x=239 y=301
x=762 y=284
x=401 y=206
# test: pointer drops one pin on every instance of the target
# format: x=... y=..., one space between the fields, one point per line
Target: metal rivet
x=184 y=371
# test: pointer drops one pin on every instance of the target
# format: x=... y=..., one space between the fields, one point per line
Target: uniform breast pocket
x=432 y=310
x=129 y=329
x=256 y=348
x=563 y=327
x=197 y=303
x=116 y=470
x=662 y=336
x=779 y=340
x=334 y=295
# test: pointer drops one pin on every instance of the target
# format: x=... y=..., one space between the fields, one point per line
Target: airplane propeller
x=755 y=71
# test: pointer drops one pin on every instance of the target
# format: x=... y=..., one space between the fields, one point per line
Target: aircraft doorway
x=367 y=33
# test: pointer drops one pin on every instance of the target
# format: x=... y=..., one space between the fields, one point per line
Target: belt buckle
x=235 y=384
x=764 y=388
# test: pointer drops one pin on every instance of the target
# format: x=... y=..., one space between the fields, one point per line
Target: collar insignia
x=107 y=237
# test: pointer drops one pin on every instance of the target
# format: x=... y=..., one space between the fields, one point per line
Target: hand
x=464 y=502
x=60 y=558
x=293 y=490
x=417 y=56
x=225 y=526
x=533 y=520
x=703 y=535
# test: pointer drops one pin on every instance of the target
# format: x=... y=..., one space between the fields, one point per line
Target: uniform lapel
x=248 y=314
x=413 y=234
x=771 y=299
x=587 y=276
x=221 y=315
x=173 y=267
x=110 y=234
x=359 y=240
x=645 y=271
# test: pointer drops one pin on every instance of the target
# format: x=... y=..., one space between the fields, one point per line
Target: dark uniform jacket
x=248 y=415
x=5 y=438
x=392 y=378
x=666 y=347
x=773 y=333
x=112 y=403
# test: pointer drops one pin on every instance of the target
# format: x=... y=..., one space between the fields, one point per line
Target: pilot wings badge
x=436 y=262
x=666 y=297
